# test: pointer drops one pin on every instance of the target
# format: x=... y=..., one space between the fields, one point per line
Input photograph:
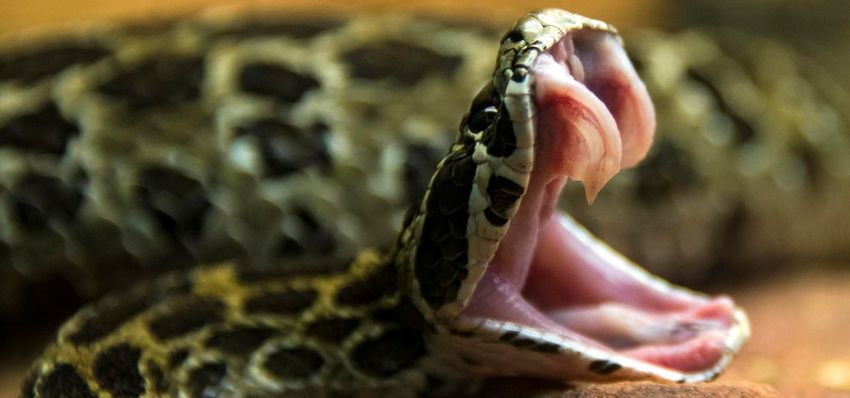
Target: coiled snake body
x=290 y=173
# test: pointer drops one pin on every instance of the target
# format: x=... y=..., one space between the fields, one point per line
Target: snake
x=133 y=149
x=485 y=278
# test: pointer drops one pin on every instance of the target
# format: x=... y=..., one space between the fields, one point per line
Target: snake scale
x=223 y=137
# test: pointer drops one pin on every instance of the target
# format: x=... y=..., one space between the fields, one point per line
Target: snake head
x=511 y=286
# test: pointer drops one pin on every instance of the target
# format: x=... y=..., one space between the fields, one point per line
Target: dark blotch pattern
x=117 y=370
x=501 y=140
x=287 y=149
x=205 y=381
x=604 y=367
x=44 y=131
x=332 y=330
x=399 y=62
x=111 y=314
x=38 y=199
x=186 y=316
x=177 y=358
x=30 y=66
x=508 y=336
x=313 y=238
x=402 y=313
x=165 y=80
x=294 y=363
x=380 y=283
x=289 y=302
x=64 y=382
x=239 y=341
x=744 y=131
x=503 y=194
x=177 y=202
x=158 y=381
x=665 y=170
x=441 y=256
x=276 y=81
x=389 y=353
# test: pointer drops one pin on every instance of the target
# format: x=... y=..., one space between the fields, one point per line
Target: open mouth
x=594 y=117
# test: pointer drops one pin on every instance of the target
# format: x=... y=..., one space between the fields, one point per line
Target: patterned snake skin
x=134 y=150
x=130 y=150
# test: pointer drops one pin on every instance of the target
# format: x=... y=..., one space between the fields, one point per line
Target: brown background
x=16 y=15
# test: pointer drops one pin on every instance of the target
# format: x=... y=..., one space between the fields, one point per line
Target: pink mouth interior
x=594 y=117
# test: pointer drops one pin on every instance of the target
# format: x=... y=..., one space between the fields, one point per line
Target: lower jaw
x=579 y=289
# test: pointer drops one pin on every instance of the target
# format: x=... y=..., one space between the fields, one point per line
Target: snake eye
x=514 y=36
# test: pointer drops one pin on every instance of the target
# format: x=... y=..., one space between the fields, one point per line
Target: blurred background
x=747 y=190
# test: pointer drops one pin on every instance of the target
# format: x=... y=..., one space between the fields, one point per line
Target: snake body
x=226 y=137
x=466 y=292
x=196 y=177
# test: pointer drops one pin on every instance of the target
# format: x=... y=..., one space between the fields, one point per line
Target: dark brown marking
x=332 y=330
x=501 y=140
x=177 y=358
x=177 y=202
x=403 y=313
x=523 y=342
x=604 y=367
x=165 y=80
x=399 y=62
x=381 y=282
x=186 y=316
x=459 y=173
x=38 y=199
x=157 y=378
x=33 y=65
x=441 y=256
x=241 y=340
x=276 y=81
x=205 y=381
x=111 y=314
x=64 y=382
x=117 y=370
x=547 y=348
x=744 y=131
x=509 y=335
x=389 y=353
x=43 y=131
x=503 y=194
x=494 y=218
x=287 y=149
x=294 y=363
x=482 y=119
x=287 y=303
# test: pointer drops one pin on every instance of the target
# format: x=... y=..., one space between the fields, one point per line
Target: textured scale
x=232 y=134
x=204 y=140
x=215 y=331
